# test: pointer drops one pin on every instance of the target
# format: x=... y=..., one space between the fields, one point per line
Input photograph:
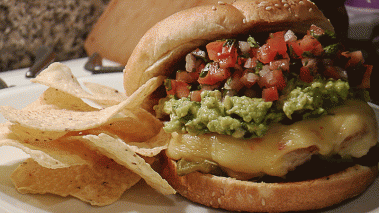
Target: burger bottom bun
x=235 y=195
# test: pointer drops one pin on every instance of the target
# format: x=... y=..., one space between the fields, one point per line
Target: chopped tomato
x=282 y=64
x=228 y=61
x=312 y=45
x=366 y=77
x=270 y=94
x=295 y=50
x=265 y=54
x=213 y=48
x=305 y=75
x=272 y=78
x=275 y=46
x=222 y=52
x=196 y=95
x=182 y=89
x=213 y=74
x=234 y=82
x=331 y=72
x=210 y=87
x=188 y=77
x=178 y=88
x=277 y=42
x=355 y=58
x=253 y=52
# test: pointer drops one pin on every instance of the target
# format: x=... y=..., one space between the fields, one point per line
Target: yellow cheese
x=350 y=130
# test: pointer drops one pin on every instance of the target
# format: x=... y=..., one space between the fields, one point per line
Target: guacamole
x=315 y=97
x=244 y=117
x=236 y=116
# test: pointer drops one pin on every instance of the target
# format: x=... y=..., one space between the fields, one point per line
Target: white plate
x=140 y=198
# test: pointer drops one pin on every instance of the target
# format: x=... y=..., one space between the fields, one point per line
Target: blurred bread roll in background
x=124 y=22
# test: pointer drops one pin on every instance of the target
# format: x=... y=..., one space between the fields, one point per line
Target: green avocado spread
x=314 y=97
x=244 y=117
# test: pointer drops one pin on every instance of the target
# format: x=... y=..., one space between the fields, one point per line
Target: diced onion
x=250 y=63
x=199 y=53
x=244 y=47
x=251 y=77
x=190 y=62
x=265 y=69
x=289 y=36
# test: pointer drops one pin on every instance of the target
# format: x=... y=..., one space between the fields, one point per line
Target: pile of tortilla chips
x=92 y=143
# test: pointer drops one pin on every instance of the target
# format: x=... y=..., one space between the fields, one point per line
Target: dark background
x=336 y=11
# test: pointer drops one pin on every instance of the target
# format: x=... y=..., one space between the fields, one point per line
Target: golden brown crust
x=235 y=195
x=169 y=40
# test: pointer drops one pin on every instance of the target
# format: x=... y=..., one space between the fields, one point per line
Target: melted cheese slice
x=350 y=130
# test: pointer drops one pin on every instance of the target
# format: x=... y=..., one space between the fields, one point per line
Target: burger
x=267 y=110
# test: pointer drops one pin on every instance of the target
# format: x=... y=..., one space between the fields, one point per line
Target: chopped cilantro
x=167 y=84
x=229 y=42
x=258 y=67
x=252 y=42
x=205 y=71
x=332 y=50
x=307 y=54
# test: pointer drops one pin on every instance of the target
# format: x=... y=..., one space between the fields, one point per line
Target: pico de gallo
x=239 y=88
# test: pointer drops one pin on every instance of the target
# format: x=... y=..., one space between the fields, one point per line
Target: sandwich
x=267 y=110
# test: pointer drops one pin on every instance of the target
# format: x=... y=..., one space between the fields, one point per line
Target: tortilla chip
x=58 y=120
x=56 y=99
x=112 y=95
x=65 y=160
x=120 y=152
x=100 y=185
x=153 y=146
x=59 y=76
x=67 y=120
x=139 y=126
x=50 y=155
x=139 y=96
x=28 y=135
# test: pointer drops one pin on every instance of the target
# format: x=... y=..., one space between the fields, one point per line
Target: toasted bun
x=235 y=195
x=171 y=39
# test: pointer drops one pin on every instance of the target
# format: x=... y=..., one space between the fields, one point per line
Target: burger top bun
x=172 y=38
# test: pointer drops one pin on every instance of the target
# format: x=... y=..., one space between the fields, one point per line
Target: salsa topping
x=239 y=88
